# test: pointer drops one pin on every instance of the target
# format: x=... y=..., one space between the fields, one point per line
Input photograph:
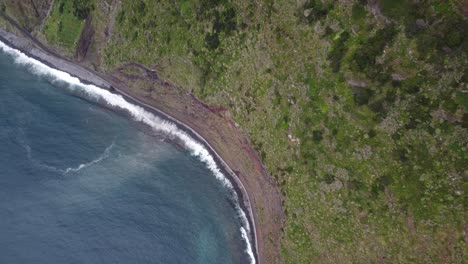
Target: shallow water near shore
x=80 y=183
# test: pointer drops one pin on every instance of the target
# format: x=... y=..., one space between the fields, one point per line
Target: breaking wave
x=139 y=114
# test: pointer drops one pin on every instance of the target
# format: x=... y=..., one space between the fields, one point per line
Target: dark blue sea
x=82 y=181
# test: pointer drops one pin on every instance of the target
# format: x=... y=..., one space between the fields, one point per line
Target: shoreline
x=89 y=77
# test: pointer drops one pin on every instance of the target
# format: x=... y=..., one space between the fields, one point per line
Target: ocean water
x=83 y=181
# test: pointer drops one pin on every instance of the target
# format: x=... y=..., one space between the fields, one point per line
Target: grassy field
x=358 y=109
x=63 y=27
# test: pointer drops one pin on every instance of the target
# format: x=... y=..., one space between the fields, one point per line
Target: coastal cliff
x=250 y=181
x=345 y=120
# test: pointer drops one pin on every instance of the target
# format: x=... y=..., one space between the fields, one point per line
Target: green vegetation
x=27 y=13
x=81 y=8
x=363 y=120
x=358 y=109
x=65 y=22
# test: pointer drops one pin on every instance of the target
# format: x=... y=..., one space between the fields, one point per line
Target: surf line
x=138 y=113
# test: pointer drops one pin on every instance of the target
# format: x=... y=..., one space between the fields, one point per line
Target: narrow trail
x=113 y=13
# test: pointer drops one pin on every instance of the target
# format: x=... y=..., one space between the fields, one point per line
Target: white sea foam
x=101 y=157
x=141 y=115
x=249 y=251
x=104 y=155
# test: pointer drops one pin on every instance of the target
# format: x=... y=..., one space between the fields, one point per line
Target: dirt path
x=114 y=7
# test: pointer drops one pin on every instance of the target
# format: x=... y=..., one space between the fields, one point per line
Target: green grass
x=62 y=26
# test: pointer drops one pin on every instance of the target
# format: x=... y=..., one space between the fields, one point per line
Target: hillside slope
x=357 y=108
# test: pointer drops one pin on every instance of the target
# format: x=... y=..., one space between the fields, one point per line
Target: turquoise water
x=83 y=183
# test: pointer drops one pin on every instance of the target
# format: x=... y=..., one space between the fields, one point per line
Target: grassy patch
x=63 y=27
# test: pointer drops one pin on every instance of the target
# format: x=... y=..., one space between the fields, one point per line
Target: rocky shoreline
x=86 y=76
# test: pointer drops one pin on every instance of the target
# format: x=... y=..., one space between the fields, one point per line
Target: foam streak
x=104 y=155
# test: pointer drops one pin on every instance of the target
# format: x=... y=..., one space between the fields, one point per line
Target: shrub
x=317 y=135
x=361 y=95
x=358 y=12
x=365 y=56
x=212 y=41
x=82 y=8
x=338 y=51
x=61 y=6
x=318 y=9
x=225 y=21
